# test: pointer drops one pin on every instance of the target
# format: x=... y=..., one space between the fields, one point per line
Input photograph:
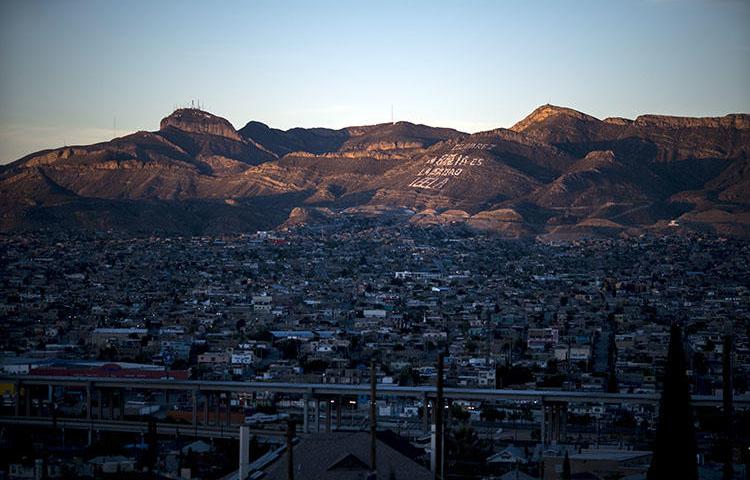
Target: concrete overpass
x=324 y=389
x=109 y=395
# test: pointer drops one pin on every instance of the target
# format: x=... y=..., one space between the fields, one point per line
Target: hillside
x=557 y=172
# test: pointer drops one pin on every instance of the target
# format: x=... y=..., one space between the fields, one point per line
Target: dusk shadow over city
x=397 y=241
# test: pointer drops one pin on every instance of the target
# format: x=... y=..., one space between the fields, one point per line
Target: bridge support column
x=554 y=419
x=543 y=426
x=554 y=423
x=17 y=399
x=229 y=409
x=88 y=402
x=195 y=407
x=305 y=412
x=244 y=463
x=111 y=404
x=218 y=408
x=206 y=399
x=338 y=412
x=328 y=415
x=317 y=415
x=121 y=396
x=433 y=448
x=448 y=420
x=100 y=402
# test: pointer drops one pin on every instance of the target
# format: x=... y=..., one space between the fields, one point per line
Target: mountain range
x=558 y=174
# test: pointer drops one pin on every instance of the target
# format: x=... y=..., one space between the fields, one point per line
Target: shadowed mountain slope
x=557 y=172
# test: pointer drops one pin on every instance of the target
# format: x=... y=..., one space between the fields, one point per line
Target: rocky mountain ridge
x=557 y=173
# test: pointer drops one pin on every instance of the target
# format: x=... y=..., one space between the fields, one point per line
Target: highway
x=216 y=421
x=323 y=390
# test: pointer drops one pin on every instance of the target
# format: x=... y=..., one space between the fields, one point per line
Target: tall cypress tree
x=674 y=447
x=151 y=455
x=612 y=386
x=728 y=393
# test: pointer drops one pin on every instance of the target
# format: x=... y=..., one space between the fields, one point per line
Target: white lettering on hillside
x=438 y=170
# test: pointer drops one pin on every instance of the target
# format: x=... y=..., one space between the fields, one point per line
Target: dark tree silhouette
x=674 y=446
x=728 y=393
x=612 y=386
x=465 y=451
x=151 y=455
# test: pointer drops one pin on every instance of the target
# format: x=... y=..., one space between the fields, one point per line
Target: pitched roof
x=585 y=476
x=336 y=456
x=509 y=454
x=516 y=475
x=198 y=446
x=349 y=462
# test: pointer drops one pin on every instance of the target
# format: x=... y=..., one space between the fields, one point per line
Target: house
x=588 y=463
x=213 y=357
x=101 y=337
x=243 y=357
x=509 y=455
x=374 y=313
x=29 y=471
x=345 y=455
x=99 y=466
x=199 y=446
x=539 y=338
x=109 y=370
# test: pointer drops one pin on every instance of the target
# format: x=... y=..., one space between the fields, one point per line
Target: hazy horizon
x=69 y=69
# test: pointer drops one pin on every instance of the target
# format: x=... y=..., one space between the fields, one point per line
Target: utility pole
x=728 y=400
x=289 y=450
x=439 y=405
x=373 y=419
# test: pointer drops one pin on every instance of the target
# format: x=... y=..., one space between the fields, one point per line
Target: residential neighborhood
x=314 y=306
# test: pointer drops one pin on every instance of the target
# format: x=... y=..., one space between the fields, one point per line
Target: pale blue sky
x=68 y=68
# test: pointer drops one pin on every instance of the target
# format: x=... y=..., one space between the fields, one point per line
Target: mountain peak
x=199 y=121
x=548 y=111
x=555 y=173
